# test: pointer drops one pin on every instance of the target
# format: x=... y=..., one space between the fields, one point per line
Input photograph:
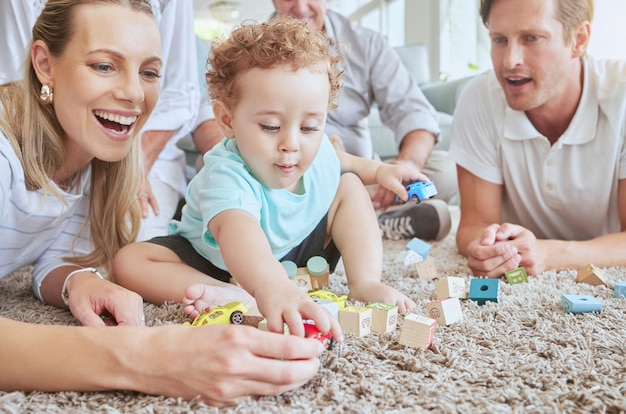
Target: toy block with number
x=451 y=287
x=590 y=275
x=426 y=269
x=516 y=276
x=620 y=289
x=417 y=331
x=356 y=320
x=483 y=290
x=319 y=274
x=298 y=275
x=384 y=317
x=330 y=305
x=445 y=311
x=580 y=304
x=419 y=246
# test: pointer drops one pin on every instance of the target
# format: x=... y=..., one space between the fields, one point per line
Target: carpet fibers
x=523 y=354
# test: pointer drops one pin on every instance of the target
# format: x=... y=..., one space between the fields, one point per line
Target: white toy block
x=445 y=311
x=356 y=320
x=384 y=317
x=332 y=306
x=417 y=331
x=620 y=289
x=408 y=258
x=451 y=287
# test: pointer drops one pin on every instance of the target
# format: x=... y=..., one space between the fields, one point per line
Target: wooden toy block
x=484 y=290
x=419 y=246
x=318 y=270
x=516 y=276
x=356 y=320
x=580 y=304
x=332 y=306
x=263 y=326
x=445 y=311
x=620 y=289
x=591 y=275
x=298 y=275
x=451 y=287
x=384 y=317
x=426 y=269
x=253 y=317
x=417 y=331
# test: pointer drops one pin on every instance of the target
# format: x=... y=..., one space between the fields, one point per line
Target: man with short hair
x=539 y=144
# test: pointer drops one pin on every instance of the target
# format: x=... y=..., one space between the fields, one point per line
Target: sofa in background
x=443 y=95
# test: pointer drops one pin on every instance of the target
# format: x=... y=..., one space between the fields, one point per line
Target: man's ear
x=224 y=118
x=581 y=40
x=42 y=62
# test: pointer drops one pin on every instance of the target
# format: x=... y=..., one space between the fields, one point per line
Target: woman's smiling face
x=106 y=81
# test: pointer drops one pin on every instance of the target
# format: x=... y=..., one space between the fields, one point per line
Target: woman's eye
x=309 y=129
x=102 y=67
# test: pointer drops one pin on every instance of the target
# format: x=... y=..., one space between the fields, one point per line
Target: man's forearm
x=416 y=147
x=604 y=251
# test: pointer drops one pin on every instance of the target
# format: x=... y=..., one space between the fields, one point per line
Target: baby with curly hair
x=274 y=189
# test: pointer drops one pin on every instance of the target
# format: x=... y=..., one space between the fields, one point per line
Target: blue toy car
x=420 y=190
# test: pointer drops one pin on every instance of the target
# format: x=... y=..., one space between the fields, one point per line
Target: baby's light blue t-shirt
x=225 y=182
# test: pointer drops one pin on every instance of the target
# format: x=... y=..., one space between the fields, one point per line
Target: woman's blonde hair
x=37 y=138
x=282 y=41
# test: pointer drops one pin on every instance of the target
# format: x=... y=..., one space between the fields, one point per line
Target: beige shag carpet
x=523 y=354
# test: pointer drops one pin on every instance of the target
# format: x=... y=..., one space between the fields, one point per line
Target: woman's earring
x=46 y=94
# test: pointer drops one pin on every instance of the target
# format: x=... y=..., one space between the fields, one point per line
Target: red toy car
x=311 y=331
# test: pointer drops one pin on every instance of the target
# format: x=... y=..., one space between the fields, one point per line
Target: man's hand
x=504 y=247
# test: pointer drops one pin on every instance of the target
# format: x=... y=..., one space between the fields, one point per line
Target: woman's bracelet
x=64 y=295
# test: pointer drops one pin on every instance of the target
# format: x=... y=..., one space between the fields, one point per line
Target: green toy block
x=516 y=276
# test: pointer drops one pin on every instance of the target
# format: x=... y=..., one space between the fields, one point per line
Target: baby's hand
x=284 y=302
x=393 y=176
x=374 y=291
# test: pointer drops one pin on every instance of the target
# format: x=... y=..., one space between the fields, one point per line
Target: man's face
x=530 y=57
x=311 y=11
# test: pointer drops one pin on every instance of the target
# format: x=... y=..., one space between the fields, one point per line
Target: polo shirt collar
x=581 y=129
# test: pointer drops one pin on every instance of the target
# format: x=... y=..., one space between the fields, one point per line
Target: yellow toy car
x=230 y=313
x=326 y=295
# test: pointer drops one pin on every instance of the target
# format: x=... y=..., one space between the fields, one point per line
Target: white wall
x=608 y=30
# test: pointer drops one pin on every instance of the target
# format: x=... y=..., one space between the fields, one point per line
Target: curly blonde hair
x=282 y=41
x=37 y=138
